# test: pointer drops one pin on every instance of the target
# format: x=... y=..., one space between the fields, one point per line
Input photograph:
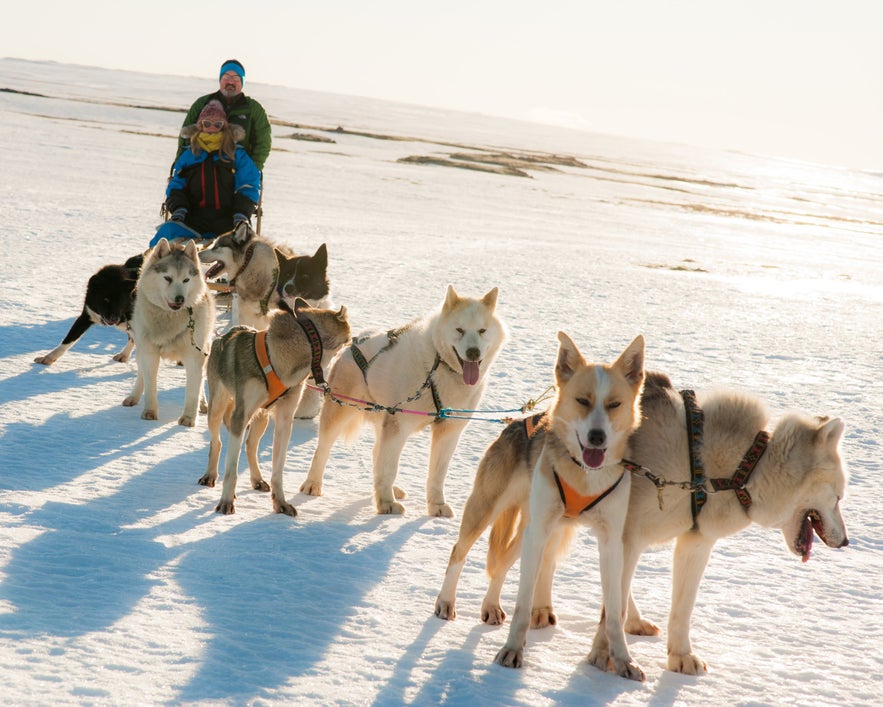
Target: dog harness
x=695 y=421
x=392 y=337
x=275 y=387
x=575 y=503
x=265 y=301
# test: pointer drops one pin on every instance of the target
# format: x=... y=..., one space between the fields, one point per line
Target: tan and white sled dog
x=173 y=318
x=249 y=369
x=575 y=476
x=438 y=362
x=262 y=274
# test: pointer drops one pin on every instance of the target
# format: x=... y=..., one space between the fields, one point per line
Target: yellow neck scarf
x=210 y=142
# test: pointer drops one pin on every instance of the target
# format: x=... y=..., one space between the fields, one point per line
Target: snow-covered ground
x=120 y=585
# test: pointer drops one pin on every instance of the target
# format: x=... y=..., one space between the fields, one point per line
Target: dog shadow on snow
x=272 y=593
x=63 y=447
x=90 y=567
x=276 y=598
x=72 y=370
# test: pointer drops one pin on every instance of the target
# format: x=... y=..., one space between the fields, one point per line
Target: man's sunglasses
x=216 y=123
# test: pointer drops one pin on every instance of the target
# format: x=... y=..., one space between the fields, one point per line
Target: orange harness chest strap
x=575 y=503
x=275 y=387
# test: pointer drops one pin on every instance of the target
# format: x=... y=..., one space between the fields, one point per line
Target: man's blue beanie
x=232 y=65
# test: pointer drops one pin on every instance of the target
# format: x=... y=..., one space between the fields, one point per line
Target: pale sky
x=791 y=78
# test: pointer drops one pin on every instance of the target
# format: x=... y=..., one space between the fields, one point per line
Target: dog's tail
x=505 y=540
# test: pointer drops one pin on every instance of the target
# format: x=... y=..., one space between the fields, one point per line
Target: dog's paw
x=600 y=658
x=186 y=421
x=542 y=616
x=628 y=669
x=260 y=485
x=445 y=609
x=45 y=360
x=121 y=358
x=510 y=657
x=225 y=507
x=208 y=480
x=311 y=488
x=284 y=507
x=686 y=663
x=392 y=508
x=131 y=401
x=203 y=407
x=439 y=510
x=149 y=415
x=492 y=614
x=399 y=492
x=641 y=627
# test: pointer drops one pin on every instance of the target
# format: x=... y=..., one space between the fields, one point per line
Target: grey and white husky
x=173 y=318
x=254 y=375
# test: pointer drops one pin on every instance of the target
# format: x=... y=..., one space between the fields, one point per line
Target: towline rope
x=442 y=414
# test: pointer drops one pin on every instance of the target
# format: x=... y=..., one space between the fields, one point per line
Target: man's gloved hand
x=179 y=214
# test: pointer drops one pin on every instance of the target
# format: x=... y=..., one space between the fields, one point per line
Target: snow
x=120 y=585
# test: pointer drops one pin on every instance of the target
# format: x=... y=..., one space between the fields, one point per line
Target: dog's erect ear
x=321 y=257
x=243 y=233
x=285 y=307
x=451 y=298
x=569 y=358
x=191 y=252
x=341 y=313
x=631 y=362
x=829 y=432
x=300 y=303
x=490 y=299
x=162 y=248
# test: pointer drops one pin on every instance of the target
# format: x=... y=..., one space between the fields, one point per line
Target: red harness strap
x=575 y=503
x=275 y=387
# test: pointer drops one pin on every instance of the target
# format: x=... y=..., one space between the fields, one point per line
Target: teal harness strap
x=695 y=420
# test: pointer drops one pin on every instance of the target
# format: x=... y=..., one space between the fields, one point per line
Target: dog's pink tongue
x=805 y=540
x=593 y=457
x=470 y=372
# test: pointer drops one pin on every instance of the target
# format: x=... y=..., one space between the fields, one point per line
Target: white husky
x=437 y=362
x=796 y=485
x=173 y=318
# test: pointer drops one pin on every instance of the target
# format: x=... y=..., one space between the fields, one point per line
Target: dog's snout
x=179 y=299
x=597 y=438
x=473 y=353
x=845 y=542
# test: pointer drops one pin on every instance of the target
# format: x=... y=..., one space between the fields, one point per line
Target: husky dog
x=262 y=274
x=573 y=471
x=796 y=485
x=110 y=295
x=432 y=363
x=297 y=342
x=174 y=318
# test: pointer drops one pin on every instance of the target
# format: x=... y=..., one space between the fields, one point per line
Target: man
x=241 y=110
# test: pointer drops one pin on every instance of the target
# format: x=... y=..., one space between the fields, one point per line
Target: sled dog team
x=619 y=450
